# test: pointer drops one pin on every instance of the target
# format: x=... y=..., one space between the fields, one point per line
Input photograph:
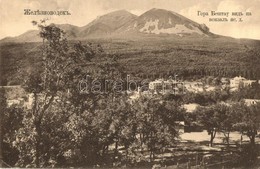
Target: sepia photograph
x=142 y=84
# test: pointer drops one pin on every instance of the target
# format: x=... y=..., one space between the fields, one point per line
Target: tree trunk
x=252 y=139
x=151 y=154
x=227 y=137
x=241 y=139
x=211 y=141
x=116 y=149
x=212 y=136
x=116 y=146
x=152 y=147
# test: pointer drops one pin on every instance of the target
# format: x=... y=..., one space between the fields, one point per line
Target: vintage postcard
x=130 y=84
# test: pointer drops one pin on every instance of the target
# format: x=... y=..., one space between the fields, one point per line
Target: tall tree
x=48 y=82
x=156 y=123
x=208 y=117
x=225 y=119
x=247 y=119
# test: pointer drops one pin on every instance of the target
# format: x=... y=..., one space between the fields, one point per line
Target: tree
x=156 y=123
x=216 y=118
x=248 y=92
x=12 y=122
x=247 y=119
x=61 y=64
x=208 y=117
x=93 y=130
x=225 y=120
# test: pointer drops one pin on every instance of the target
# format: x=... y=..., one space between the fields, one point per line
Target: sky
x=13 y=22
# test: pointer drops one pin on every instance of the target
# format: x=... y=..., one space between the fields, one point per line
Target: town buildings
x=237 y=82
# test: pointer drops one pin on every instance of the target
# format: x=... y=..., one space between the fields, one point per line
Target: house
x=13 y=102
x=224 y=81
x=165 y=86
x=191 y=107
x=194 y=87
x=239 y=81
x=250 y=102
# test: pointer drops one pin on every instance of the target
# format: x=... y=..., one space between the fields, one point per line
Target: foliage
x=189 y=58
x=247 y=119
x=41 y=140
x=249 y=92
x=156 y=123
x=215 y=118
x=207 y=98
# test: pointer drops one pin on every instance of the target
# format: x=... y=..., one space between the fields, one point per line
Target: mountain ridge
x=123 y=23
x=160 y=21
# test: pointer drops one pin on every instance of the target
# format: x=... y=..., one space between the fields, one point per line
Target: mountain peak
x=122 y=11
x=123 y=23
x=161 y=21
x=157 y=9
x=160 y=11
x=107 y=24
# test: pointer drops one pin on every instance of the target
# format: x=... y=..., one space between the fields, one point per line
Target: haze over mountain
x=123 y=23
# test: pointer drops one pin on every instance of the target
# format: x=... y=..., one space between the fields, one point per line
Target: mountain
x=33 y=35
x=71 y=30
x=160 y=21
x=123 y=23
x=106 y=24
x=29 y=36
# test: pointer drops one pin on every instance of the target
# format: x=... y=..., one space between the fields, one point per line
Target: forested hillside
x=153 y=57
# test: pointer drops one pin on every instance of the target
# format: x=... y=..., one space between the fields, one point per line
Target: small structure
x=191 y=107
x=250 y=102
x=194 y=87
x=239 y=81
x=165 y=86
x=224 y=81
x=13 y=102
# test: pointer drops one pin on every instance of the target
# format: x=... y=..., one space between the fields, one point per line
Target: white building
x=239 y=81
x=250 y=102
x=191 y=107
x=195 y=87
x=164 y=86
